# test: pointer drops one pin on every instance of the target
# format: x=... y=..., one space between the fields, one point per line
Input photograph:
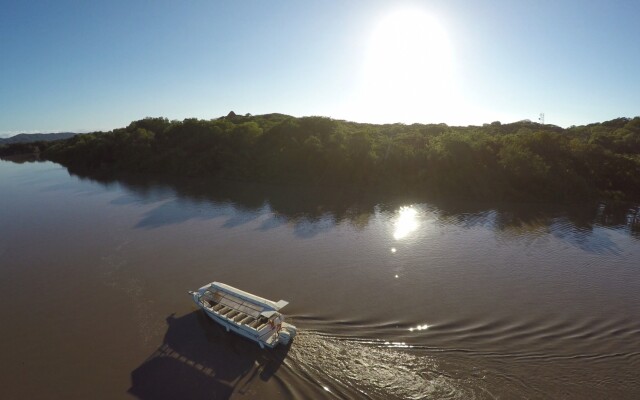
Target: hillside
x=36 y=137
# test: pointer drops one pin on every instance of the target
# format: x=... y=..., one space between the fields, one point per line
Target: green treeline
x=518 y=161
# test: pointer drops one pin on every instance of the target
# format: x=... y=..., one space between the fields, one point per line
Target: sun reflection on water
x=419 y=328
x=406 y=223
x=402 y=345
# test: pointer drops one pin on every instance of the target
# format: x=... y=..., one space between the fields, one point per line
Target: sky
x=86 y=66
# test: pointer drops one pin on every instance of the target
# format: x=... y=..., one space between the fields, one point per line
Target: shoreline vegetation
x=521 y=161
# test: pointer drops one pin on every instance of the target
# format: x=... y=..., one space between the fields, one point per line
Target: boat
x=246 y=314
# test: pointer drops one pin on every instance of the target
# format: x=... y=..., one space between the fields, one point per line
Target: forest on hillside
x=522 y=161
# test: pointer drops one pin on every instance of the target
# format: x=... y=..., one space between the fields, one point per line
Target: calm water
x=394 y=298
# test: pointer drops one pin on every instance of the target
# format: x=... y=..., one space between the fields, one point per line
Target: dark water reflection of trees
x=315 y=209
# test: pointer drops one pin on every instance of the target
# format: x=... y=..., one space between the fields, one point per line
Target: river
x=394 y=298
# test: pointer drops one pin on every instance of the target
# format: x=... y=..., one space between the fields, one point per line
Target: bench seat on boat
x=239 y=317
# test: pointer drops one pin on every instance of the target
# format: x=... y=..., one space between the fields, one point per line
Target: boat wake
x=470 y=359
x=377 y=369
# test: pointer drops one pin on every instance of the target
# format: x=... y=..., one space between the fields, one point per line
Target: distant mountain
x=36 y=137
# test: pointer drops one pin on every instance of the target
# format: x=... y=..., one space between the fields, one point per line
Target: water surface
x=394 y=297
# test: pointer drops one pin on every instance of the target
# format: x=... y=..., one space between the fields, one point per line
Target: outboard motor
x=287 y=332
x=284 y=337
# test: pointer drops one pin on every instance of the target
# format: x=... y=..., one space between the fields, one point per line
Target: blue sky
x=79 y=65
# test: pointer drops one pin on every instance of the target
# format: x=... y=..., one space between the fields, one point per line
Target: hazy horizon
x=10 y=134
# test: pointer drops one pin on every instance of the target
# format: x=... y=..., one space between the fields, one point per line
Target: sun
x=407 y=73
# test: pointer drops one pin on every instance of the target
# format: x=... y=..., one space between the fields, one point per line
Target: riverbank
x=522 y=161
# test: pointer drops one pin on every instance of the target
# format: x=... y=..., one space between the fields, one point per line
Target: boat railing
x=267 y=334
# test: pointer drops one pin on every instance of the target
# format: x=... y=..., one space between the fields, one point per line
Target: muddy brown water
x=393 y=298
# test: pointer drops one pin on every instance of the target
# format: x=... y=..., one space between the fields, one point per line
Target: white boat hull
x=245 y=314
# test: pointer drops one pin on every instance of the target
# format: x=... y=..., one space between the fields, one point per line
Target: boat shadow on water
x=199 y=359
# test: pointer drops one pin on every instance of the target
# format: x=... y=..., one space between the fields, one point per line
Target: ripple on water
x=547 y=335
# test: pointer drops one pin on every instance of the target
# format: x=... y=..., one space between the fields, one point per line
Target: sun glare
x=405 y=223
x=407 y=73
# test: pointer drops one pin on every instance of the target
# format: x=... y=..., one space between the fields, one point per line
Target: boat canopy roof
x=268 y=314
x=242 y=301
